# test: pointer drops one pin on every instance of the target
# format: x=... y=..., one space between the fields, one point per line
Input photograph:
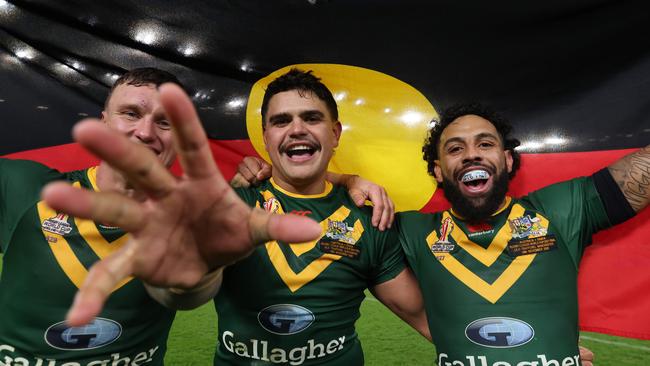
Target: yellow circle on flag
x=384 y=120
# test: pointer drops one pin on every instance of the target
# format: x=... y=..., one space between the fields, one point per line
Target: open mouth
x=475 y=180
x=300 y=151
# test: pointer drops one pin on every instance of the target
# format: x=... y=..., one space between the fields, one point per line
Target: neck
x=303 y=188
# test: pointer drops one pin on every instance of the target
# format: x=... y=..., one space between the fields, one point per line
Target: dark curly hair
x=449 y=115
x=303 y=82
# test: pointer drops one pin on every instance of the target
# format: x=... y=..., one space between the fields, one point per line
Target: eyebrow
x=304 y=114
x=479 y=136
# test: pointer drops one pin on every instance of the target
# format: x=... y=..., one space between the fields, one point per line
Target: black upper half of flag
x=575 y=69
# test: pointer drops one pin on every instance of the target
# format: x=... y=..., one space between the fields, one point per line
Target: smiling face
x=473 y=167
x=136 y=112
x=300 y=136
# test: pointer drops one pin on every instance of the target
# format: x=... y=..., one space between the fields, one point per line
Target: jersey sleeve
x=21 y=182
x=574 y=208
x=389 y=260
x=401 y=224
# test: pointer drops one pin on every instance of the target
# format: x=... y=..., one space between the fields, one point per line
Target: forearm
x=403 y=297
x=632 y=174
x=187 y=299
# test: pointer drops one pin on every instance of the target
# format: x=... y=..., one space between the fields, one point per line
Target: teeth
x=474 y=175
x=299 y=148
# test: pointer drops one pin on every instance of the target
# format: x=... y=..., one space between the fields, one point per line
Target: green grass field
x=386 y=340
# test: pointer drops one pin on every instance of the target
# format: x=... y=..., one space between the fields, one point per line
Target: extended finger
x=190 y=140
x=264 y=226
x=102 y=279
x=136 y=162
x=104 y=207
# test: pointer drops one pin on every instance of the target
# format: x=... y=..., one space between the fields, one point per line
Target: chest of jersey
x=505 y=287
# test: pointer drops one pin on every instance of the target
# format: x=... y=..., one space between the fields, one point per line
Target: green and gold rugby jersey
x=504 y=292
x=296 y=304
x=46 y=258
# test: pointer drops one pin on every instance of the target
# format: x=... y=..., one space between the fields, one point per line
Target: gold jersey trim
x=490 y=291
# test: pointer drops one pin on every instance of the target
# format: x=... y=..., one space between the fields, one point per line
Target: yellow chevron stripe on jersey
x=295 y=281
x=490 y=254
x=489 y=291
x=63 y=253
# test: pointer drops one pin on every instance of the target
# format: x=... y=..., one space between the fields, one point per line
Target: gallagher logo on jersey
x=499 y=332
x=285 y=319
x=97 y=333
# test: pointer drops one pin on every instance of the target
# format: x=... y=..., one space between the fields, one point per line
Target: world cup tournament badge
x=443 y=245
x=57 y=224
x=272 y=205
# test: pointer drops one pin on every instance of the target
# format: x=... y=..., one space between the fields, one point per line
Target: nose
x=471 y=154
x=144 y=130
x=297 y=127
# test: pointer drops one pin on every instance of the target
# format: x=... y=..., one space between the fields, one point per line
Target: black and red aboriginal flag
x=572 y=76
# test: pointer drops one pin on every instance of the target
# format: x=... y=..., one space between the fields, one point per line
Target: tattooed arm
x=632 y=174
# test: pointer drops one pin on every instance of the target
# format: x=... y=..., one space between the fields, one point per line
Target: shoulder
x=24 y=172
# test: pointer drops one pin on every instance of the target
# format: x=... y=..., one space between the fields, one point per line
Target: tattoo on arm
x=632 y=174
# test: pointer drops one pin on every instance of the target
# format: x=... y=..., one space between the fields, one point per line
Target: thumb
x=265 y=226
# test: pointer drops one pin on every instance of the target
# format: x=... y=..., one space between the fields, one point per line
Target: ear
x=437 y=171
x=103 y=117
x=337 y=129
x=266 y=147
x=509 y=160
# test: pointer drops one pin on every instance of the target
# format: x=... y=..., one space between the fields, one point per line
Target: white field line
x=617 y=344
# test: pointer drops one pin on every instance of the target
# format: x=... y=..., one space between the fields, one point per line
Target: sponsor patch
x=499 y=332
x=98 y=333
x=285 y=319
x=57 y=224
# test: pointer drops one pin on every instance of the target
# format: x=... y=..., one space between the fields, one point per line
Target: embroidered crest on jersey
x=58 y=224
x=339 y=230
x=526 y=226
x=74 y=269
x=334 y=224
x=487 y=256
x=529 y=236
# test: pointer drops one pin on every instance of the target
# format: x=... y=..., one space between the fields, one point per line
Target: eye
x=454 y=149
x=279 y=122
x=131 y=115
x=163 y=124
x=486 y=144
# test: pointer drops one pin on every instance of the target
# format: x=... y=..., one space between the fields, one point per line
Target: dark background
x=576 y=69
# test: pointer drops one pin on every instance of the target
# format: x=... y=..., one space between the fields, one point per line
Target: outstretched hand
x=180 y=228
